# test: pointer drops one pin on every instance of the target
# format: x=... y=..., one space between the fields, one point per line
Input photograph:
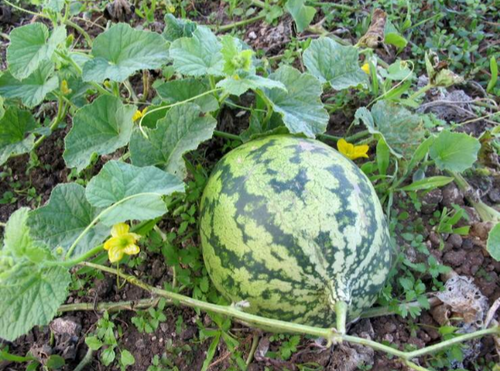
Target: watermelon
x=292 y=227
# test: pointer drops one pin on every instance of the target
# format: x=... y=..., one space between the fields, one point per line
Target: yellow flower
x=351 y=151
x=366 y=68
x=121 y=242
x=138 y=114
x=171 y=8
x=64 y=88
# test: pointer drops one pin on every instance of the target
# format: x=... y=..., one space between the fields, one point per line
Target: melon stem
x=341 y=316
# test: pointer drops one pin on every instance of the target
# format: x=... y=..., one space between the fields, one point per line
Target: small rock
x=65 y=326
x=452 y=196
x=252 y=35
x=164 y=327
x=454 y=258
x=431 y=200
x=494 y=195
x=434 y=239
x=456 y=240
x=419 y=343
x=188 y=333
x=481 y=230
x=447 y=247
x=158 y=269
x=140 y=344
x=390 y=327
x=467 y=244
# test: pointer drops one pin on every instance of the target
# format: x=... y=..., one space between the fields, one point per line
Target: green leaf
x=15 y=133
x=301 y=14
x=180 y=90
x=66 y=215
x=336 y=64
x=235 y=57
x=32 y=90
x=18 y=242
x=182 y=130
x=2 y=109
x=402 y=130
x=31 y=297
x=177 y=28
x=493 y=244
x=108 y=356
x=55 y=362
x=135 y=192
x=121 y=51
x=198 y=55
x=392 y=36
x=494 y=74
x=454 y=151
x=101 y=127
x=93 y=342
x=237 y=85
x=300 y=106
x=428 y=183
x=31 y=45
x=126 y=358
x=54 y=5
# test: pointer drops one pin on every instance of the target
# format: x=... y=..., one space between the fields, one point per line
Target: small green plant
x=148 y=321
x=104 y=337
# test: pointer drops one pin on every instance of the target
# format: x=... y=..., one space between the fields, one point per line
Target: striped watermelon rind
x=292 y=227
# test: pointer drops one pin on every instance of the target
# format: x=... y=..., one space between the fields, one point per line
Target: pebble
x=252 y=35
x=454 y=258
x=431 y=200
x=390 y=327
x=452 y=195
x=140 y=344
x=455 y=240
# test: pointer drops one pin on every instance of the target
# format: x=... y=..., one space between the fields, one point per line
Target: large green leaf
x=454 y=151
x=15 y=133
x=493 y=244
x=301 y=14
x=101 y=127
x=33 y=89
x=402 y=130
x=31 y=297
x=31 y=45
x=182 y=130
x=300 y=106
x=135 y=192
x=18 y=242
x=121 y=51
x=30 y=293
x=66 y=215
x=198 y=55
x=239 y=84
x=177 y=28
x=333 y=63
x=181 y=90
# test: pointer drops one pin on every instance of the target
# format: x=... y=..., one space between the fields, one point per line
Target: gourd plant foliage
x=203 y=74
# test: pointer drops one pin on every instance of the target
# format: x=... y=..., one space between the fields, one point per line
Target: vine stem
x=148 y=112
x=421 y=91
x=3 y=225
x=351 y=139
x=72 y=262
x=225 y=135
x=111 y=307
x=331 y=334
x=230 y=26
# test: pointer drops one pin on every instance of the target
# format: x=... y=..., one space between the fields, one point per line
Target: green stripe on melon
x=292 y=226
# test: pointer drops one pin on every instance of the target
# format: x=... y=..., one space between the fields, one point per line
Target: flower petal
x=115 y=254
x=132 y=249
x=119 y=229
x=112 y=243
